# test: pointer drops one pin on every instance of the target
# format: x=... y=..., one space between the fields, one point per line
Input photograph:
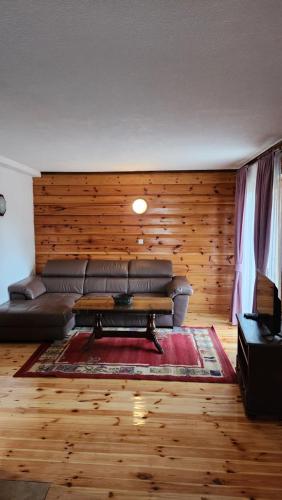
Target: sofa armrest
x=27 y=289
x=179 y=286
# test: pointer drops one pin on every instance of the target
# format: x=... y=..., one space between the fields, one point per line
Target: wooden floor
x=99 y=439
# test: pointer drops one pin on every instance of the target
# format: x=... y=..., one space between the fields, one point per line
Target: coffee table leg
x=151 y=332
x=97 y=332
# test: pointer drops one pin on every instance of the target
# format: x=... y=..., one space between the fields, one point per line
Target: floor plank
x=130 y=439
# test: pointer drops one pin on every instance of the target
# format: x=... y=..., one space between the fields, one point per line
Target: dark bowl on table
x=123 y=299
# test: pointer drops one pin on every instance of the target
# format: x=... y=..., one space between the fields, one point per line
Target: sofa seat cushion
x=48 y=309
x=63 y=299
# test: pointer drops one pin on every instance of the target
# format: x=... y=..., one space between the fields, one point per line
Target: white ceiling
x=107 y=85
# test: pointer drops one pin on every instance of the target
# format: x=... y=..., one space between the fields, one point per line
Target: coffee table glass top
x=156 y=305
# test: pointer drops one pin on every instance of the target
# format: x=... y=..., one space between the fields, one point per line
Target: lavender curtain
x=240 y=197
x=263 y=210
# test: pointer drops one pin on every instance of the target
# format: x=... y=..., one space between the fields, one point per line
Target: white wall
x=16 y=229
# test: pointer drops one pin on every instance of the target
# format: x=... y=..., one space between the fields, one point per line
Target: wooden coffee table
x=101 y=306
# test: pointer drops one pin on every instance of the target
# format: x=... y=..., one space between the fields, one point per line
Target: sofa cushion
x=56 y=268
x=63 y=284
x=106 y=276
x=150 y=268
x=64 y=276
x=111 y=268
x=60 y=298
x=105 y=285
x=148 y=285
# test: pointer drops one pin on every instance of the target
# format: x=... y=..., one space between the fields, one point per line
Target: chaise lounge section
x=40 y=307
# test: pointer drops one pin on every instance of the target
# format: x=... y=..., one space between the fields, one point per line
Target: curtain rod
x=278 y=145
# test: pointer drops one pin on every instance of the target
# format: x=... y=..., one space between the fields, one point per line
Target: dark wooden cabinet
x=259 y=369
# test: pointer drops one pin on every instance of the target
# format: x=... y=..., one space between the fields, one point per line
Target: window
x=273 y=269
x=248 y=263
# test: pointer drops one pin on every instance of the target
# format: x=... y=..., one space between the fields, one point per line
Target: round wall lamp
x=139 y=206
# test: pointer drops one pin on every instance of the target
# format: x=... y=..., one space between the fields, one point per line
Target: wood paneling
x=189 y=220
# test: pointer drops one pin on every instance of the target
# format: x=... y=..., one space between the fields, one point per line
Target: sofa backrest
x=146 y=276
x=106 y=276
x=60 y=276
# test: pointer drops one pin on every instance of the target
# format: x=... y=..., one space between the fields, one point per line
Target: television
x=268 y=304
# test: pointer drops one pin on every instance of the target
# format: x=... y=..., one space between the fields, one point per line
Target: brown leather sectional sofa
x=40 y=307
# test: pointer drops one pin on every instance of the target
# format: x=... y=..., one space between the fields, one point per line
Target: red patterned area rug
x=190 y=354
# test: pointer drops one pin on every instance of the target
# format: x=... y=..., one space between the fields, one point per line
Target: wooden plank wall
x=190 y=220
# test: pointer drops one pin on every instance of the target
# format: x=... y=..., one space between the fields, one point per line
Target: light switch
x=140 y=241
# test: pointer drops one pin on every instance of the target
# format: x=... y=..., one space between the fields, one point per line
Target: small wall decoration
x=2 y=205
